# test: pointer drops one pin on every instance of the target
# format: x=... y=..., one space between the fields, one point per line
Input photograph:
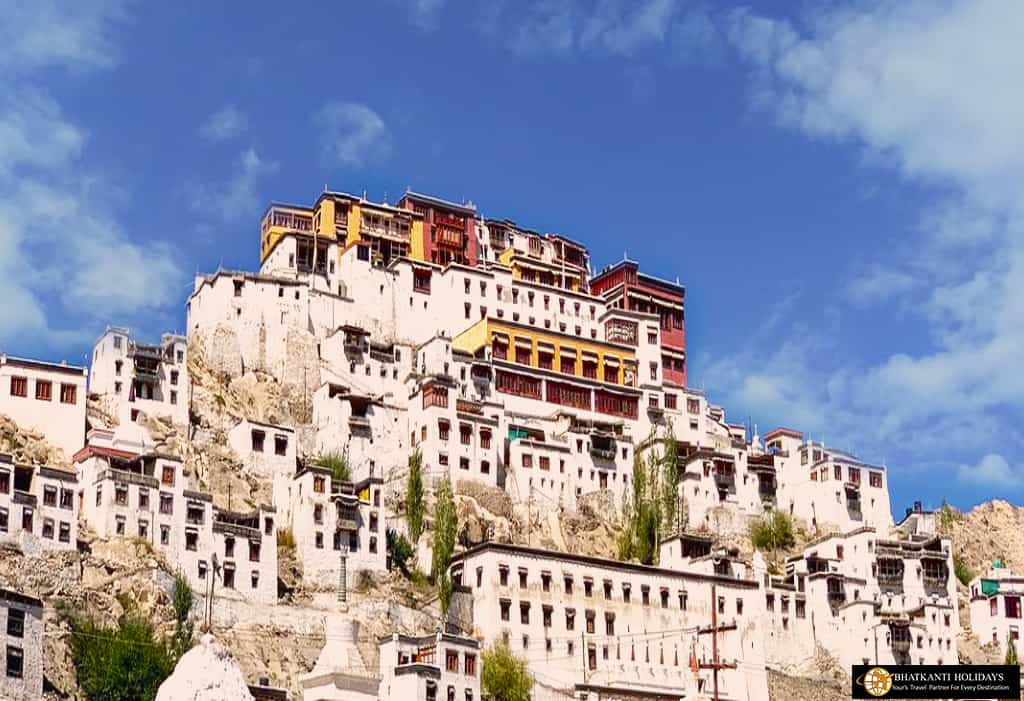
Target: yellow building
x=343 y=219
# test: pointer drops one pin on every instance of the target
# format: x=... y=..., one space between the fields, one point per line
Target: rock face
x=205 y=673
x=28 y=446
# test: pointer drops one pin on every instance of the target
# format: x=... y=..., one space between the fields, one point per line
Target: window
x=318 y=513
x=1012 y=604
x=505 y=606
x=503 y=575
x=68 y=393
x=121 y=494
x=16 y=623
x=167 y=476
x=626 y=590
x=524 y=613
x=49 y=496
x=238 y=288
x=443 y=429
x=174 y=397
x=254 y=552
x=875 y=479
x=65 y=530
x=44 y=390
x=229 y=577
x=670 y=401
x=257 y=441
x=143 y=529
x=191 y=539
x=545 y=462
x=19 y=387
x=229 y=547
x=527 y=460
x=664 y=598
x=591 y=626
x=5 y=482
x=568 y=585
x=523 y=577
x=280 y=445
x=143 y=498
x=15 y=662
x=3 y=520
x=485 y=467
x=693 y=406
x=588 y=588
x=570 y=619
x=373 y=544
x=319 y=484
x=26 y=519
x=165 y=535
x=645 y=595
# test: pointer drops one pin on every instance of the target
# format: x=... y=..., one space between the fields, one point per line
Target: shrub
x=400 y=550
x=772 y=531
x=122 y=663
x=337 y=462
x=504 y=676
x=446 y=523
x=285 y=538
x=364 y=581
x=962 y=571
x=182 y=601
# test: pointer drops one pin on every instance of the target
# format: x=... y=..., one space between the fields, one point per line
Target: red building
x=449 y=229
x=624 y=286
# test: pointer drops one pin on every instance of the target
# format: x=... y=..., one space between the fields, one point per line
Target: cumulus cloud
x=48 y=33
x=992 y=471
x=66 y=254
x=238 y=197
x=351 y=133
x=224 y=124
x=919 y=87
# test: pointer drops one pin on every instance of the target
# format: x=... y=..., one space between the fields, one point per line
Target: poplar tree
x=414 y=497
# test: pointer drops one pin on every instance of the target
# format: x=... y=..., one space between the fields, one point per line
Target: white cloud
x=879 y=283
x=992 y=471
x=238 y=198
x=45 y=33
x=922 y=87
x=66 y=256
x=224 y=124
x=351 y=133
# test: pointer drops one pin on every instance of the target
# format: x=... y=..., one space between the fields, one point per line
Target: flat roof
x=467 y=208
x=17 y=361
x=528 y=551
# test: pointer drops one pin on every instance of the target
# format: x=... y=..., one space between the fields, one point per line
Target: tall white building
x=141 y=379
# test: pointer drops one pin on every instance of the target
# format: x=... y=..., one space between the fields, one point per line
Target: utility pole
x=714 y=630
x=343 y=577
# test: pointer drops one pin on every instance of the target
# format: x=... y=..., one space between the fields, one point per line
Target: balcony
x=449 y=235
x=25 y=498
x=280 y=218
x=359 y=423
x=836 y=597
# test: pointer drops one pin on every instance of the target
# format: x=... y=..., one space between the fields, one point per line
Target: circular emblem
x=877 y=681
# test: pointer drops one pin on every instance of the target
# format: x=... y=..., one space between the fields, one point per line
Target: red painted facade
x=624 y=286
x=449 y=230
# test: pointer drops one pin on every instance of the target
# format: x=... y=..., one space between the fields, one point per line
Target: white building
x=334 y=525
x=995 y=608
x=45 y=397
x=590 y=624
x=828 y=487
x=866 y=598
x=21 y=620
x=38 y=509
x=265 y=449
x=145 y=495
x=429 y=668
x=140 y=379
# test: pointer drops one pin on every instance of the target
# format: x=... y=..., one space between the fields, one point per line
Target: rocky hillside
x=28 y=446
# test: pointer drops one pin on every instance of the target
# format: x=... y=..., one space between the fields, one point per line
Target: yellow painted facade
x=482 y=333
x=271 y=230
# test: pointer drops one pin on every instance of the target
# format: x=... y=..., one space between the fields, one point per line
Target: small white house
x=45 y=397
x=21 y=625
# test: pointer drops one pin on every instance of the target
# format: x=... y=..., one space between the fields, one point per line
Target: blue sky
x=838 y=185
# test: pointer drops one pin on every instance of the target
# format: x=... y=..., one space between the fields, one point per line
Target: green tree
x=182 y=600
x=400 y=550
x=337 y=462
x=504 y=676
x=121 y=663
x=414 y=505
x=773 y=530
x=962 y=571
x=642 y=512
x=446 y=523
x=670 y=483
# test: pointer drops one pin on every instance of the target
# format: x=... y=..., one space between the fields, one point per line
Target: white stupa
x=207 y=672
